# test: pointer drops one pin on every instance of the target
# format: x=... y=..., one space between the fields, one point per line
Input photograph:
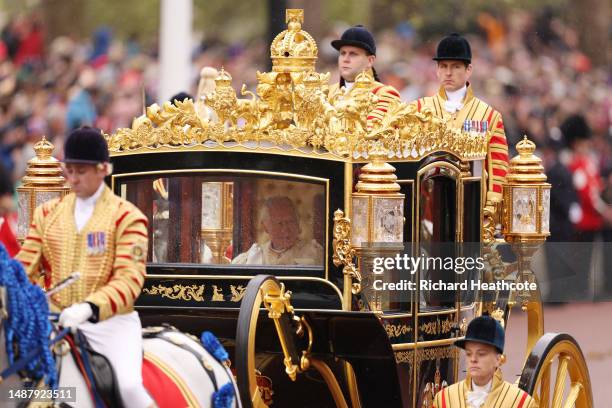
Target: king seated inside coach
x=280 y=221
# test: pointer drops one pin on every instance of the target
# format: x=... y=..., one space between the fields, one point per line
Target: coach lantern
x=43 y=181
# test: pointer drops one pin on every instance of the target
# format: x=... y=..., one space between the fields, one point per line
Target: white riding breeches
x=119 y=339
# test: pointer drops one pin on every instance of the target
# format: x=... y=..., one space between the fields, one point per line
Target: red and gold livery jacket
x=502 y=395
x=386 y=94
x=476 y=115
x=109 y=252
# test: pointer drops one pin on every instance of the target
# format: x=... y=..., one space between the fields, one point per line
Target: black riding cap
x=86 y=145
x=485 y=330
x=454 y=47
x=357 y=36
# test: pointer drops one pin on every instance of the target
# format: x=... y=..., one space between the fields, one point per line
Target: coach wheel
x=556 y=373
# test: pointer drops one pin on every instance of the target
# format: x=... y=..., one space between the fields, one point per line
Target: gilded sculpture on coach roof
x=222 y=100
x=276 y=103
x=228 y=108
x=313 y=112
x=293 y=50
x=353 y=112
x=181 y=115
x=290 y=107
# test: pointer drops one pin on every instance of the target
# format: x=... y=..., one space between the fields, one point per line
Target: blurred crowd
x=527 y=66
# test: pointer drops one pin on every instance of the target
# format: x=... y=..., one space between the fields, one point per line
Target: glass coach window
x=218 y=219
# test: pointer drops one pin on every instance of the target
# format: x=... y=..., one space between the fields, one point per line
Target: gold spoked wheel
x=260 y=290
x=245 y=338
x=556 y=373
x=267 y=291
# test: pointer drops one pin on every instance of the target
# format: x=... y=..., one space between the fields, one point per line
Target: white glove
x=75 y=315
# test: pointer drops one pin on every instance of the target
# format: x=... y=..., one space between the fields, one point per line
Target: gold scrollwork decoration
x=488 y=224
x=397 y=330
x=435 y=353
x=174 y=292
x=344 y=253
x=404 y=357
x=437 y=327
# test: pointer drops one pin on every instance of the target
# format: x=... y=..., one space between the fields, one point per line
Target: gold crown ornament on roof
x=291 y=108
x=224 y=78
x=293 y=50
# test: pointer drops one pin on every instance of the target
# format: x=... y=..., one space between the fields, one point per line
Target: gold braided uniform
x=109 y=252
x=502 y=395
x=476 y=114
x=386 y=95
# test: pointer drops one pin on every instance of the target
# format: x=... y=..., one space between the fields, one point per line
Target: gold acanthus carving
x=191 y=292
x=436 y=353
x=404 y=357
x=291 y=108
x=437 y=327
x=397 y=330
x=195 y=292
x=344 y=253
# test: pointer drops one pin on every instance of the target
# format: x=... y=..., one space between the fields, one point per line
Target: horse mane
x=27 y=326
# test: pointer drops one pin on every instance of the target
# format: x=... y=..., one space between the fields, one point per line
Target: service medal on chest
x=478 y=126
x=96 y=243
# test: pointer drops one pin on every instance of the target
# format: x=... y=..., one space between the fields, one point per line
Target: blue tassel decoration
x=224 y=397
x=212 y=345
x=27 y=326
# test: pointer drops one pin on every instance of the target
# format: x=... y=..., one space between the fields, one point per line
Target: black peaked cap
x=86 y=145
x=357 y=36
x=454 y=47
x=485 y=330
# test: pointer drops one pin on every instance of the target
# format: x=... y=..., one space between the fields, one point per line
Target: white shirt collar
x=84 y=207
x=486 y=388
x=454 y=100
x=477 y=397
x=458 y=95
x=348 y=85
